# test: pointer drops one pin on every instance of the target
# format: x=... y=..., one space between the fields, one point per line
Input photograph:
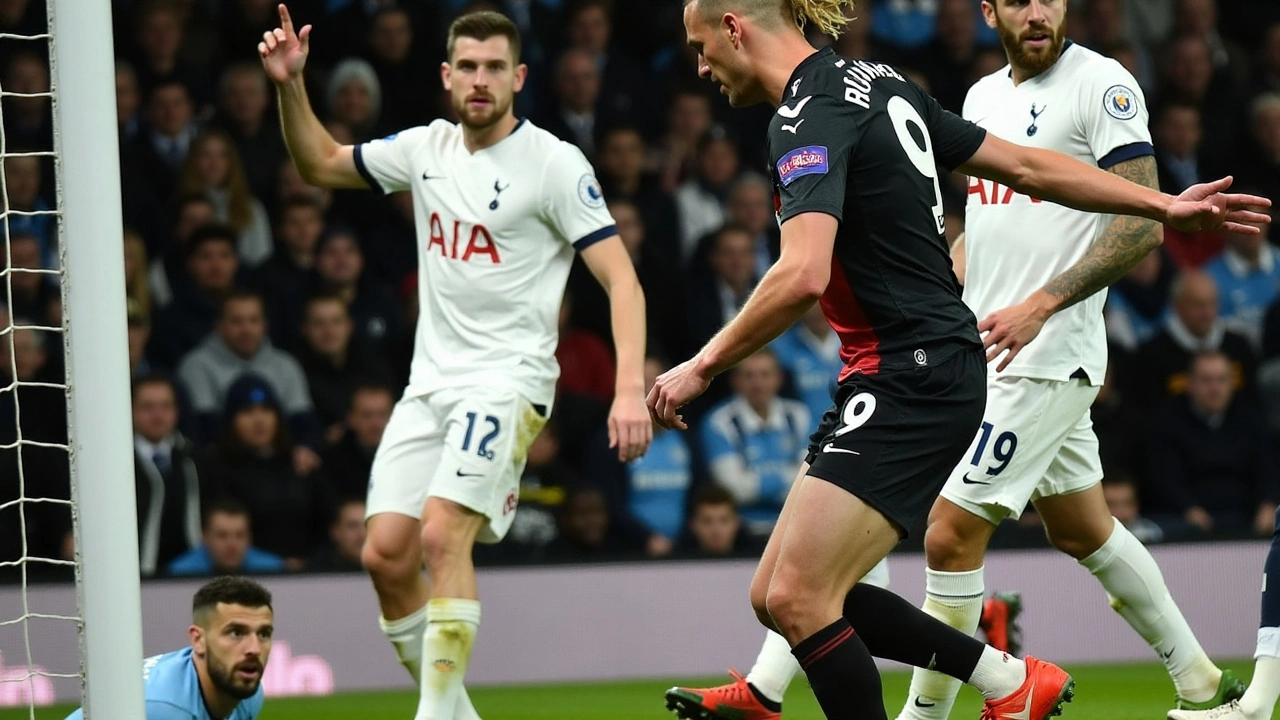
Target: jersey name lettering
x=992 y=195
x=480 y=241
x=858 y=77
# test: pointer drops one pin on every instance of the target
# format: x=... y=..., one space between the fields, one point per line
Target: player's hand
x=1011 y=329
x=284 y=52
x=673 y=390
x=630 y=429
x=1208 y=207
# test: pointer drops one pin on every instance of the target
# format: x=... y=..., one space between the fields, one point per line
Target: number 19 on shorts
x=1006 y=443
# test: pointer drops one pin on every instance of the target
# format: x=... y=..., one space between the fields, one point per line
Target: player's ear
x=989 y=13
x=446 y=76
x=731 y=25
x=521 y=74
x=197 y=639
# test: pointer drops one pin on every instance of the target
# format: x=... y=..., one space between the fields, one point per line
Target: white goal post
x=104 y=509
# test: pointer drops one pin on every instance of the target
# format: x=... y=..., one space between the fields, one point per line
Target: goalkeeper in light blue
x=219 y=677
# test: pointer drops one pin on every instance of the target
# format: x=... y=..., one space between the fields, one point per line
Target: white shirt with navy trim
x=497 y=230
x=1086 y=106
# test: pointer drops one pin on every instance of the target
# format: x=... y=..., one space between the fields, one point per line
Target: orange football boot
x=1041 y=696
x=735 y=701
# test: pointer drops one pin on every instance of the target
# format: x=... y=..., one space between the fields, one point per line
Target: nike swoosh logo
x=793 y=113
x=834 y=449
x=462 y=474
x=425 y=176
x=1025 y=713
x=1169 y=654
x=967 y=481
x=793 y=128
x=924 y=704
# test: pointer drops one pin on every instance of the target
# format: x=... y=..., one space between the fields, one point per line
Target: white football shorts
x=467 y=445
x=1036 y=440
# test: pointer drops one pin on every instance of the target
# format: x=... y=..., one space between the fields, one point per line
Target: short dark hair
x=225 y=505
x=229 y=590
x=155 y=378
x=323 y=296
x=711 y=494
x=296 y=201
x=240 y=295
x=483 y=25
x=216 y=232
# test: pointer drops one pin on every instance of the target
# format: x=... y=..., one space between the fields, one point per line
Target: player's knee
x=442 y=546
x=386 y=561
x=788 y=608
x=1082 y=540
x=949 y=549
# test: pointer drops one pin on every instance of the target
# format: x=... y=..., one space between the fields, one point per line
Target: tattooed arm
x=1125 y=242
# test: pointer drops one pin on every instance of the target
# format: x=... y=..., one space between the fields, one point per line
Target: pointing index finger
x=286 y=22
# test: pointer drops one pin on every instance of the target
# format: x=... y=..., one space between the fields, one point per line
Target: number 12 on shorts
x=482 y=449
x=1006 y=445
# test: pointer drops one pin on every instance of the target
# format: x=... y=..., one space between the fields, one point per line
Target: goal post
x=87 y=164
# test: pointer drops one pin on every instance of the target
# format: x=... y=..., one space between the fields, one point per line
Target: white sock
x=406 y=635
x=955 y=599
x=1138 y=592
x=774 y=668
x=446 y=649
x=998 y=674
x=1259 y=700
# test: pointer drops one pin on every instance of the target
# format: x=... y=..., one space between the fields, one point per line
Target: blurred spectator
x=1211 y=464
x=755 y=441
x=252 y=462
x=239 y=347
x=716 y=300
x=335 y=362
x=168 y=263
x=213 y=167
x=700 y=200
x=750 y=204
x=1187 y=76
x=688 y=120
x=349 y=462
x=620 y=163
x=586 y=362
x=586 y=531
x=135 y=270
x=244 y=113
x=409 y=98
x=1160 y=367
x=651 y=491
x=1264 y=122
x=28 y=122
x=1268 y=70
x=30 y=214
x=171 y=491
x=715 y=527
x=1199 y=18
x=1177 y=134
x=1271 y=332
x=1121 y=494
x=1150 y=21
x=858 y=42
x=809 y=353
x=947 y=58
x=346 y=540
x=340 y=271
x=31 y=293
x=1118 y=423
x=210 y=276
x=139 y=335
x=354 y=99
x=226 y=546
x=158 y=39
x=1105 y=23
x=589 y=27
x=574 y=115
x=285 y=277
x=1248 y=280
x=158 y=154
x=128 y=102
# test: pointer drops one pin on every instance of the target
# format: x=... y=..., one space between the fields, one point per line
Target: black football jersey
x=856 y=140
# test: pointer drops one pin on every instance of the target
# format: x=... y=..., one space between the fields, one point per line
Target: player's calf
x=392 y=556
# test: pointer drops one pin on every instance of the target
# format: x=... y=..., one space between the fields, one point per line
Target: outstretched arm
x=320 y=159
x=1122 y=246
x=1064 y=180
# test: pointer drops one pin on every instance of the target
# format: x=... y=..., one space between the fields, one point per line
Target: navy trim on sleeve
x=1126 y=152
x=361 y=168
x=603 y=233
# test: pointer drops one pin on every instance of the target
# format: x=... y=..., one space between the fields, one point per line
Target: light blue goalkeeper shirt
x=172 y=691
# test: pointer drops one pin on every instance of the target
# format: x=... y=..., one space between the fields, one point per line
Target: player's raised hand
x=673 y=390
x=283 y=51
x=1011 y=329
x=630 y=428
x=1208 y=207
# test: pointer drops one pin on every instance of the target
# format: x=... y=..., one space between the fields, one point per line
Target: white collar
x=1242 y=268
x=148 y=450
x=753 y=423
x=1183 y=337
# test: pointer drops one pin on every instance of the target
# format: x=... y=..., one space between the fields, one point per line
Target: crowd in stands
x=270 y=322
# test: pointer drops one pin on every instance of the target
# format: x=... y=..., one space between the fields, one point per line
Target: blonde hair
x=827 y=15
x=239 y=199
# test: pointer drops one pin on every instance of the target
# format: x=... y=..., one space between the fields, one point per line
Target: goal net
x=70 y=631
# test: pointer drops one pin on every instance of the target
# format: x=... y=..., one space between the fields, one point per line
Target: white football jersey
x=1086 y=106
x=497 y=231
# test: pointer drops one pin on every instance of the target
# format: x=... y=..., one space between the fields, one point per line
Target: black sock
x=842 y=674
x=894 y=629
x=768 y=704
